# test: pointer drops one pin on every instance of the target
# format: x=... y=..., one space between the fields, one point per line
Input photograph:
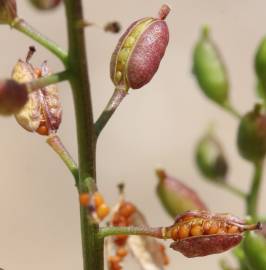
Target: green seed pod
x=139 y=51
x=8 y=11
x=251 y=138
x=210 y=158
x=175 y=196
x=209 y=69
x=260 y=62
x=255 y=249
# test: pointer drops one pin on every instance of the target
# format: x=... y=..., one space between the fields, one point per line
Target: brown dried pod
x=201 y=233
x=43 y=111
x=13 y=96
x=139 y=51
x=8 y=11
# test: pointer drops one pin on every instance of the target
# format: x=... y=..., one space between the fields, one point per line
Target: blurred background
x=157 y=125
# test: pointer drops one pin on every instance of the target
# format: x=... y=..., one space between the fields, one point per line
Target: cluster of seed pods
x=95 y=203
x=201 y=233
x=124 y=216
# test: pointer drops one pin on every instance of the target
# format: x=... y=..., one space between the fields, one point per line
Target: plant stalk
x=253 y=196
x=77 y=65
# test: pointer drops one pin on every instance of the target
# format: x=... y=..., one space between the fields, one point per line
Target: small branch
x=110 y=231
x=57 y=145
x=25 y=28
x=253 y=196
x=234 y=190
x=110 y=108
x=229 y=108
x=47 y=80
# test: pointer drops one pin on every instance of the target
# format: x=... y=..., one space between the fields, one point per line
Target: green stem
x=110 y=108
x=77 y=65
x=234 y=190
x=253 y=196
x=47 y=80
x=109 y=231
x=25 y=28
x=57 y=145
x=229 y=108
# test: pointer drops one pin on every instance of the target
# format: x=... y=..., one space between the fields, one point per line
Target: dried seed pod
x=43 y=111
x=139 y=52
x=251 y=138
x=210 y=158
x=45 y=4
x=8 y=11
x=13 y=96
x=209 y=69
x=206 y=233
x=175 y=196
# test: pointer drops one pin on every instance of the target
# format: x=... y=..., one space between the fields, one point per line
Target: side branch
x=25 y=28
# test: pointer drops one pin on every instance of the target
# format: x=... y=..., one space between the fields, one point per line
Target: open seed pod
x=139 y=51
x=43 y=111
x=201 y=233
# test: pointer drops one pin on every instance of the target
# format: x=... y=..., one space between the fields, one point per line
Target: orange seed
x=196 y=230
x=84 y=199
x=102 y=211
x=183 y=232
x=98 y=199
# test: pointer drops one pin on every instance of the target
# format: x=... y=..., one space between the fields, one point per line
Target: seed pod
x=260 y=62
x=209 y=69
x=8 y=11
x=139 y=52
x=175 y=196
x=251 y=138
x=210 y=158
x=255 y=250
x=43 y=112
x=45 y=4
x=13 y=96
x=215 y=233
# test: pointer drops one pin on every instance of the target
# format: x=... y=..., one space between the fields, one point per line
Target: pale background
x=157 y=125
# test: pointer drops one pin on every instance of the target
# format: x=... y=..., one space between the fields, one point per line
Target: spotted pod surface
x=201 y=233
x=139 y=52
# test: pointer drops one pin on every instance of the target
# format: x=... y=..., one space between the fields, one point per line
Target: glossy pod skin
x=209 y=69
x=175 y=196
x=200 y=233
x=210 y=159
x=255 y=250
x=251 y=138
x=139 y=52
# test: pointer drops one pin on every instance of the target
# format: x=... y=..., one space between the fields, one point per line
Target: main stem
x=79 y=80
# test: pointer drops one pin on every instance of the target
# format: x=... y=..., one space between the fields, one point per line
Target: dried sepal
x=43 y=111
x=201 y=233
x=8 y=11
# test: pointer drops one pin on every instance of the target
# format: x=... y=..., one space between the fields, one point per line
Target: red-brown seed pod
x=8 y=11
x=45 y=4
x=13 y=96
x=139 y=52
x=201 y=233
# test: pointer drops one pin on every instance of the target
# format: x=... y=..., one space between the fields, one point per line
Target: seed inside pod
x=200 y=233
x=139 y=52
